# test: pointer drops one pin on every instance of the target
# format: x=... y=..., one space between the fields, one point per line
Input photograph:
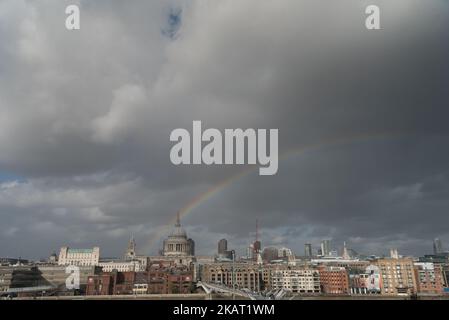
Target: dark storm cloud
x=85 y=117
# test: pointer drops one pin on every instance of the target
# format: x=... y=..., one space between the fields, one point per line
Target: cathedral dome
x=177 y=242
x=178 y=232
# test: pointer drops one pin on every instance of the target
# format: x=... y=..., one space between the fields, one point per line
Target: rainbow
x=217 y=188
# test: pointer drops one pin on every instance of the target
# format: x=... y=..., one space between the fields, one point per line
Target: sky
x=86 y=116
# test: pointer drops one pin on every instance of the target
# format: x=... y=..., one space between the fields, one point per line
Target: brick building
x=334 y=280
x=397 y=276
x=429 y=278
x=153 y=281
x=100 y=285
x=111 y=283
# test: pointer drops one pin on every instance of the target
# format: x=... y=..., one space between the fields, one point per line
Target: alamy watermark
x=213 y=147
x=73 y=280
x=73 y=21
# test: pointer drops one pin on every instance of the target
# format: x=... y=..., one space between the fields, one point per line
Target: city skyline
x=264 y=273
x=325 y=247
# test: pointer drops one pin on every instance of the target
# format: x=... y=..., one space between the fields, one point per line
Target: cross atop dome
x=178 y=220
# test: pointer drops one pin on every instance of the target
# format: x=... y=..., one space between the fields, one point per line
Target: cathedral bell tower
x=130 y=253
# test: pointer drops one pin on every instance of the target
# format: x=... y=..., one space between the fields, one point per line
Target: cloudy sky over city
x=86 y=116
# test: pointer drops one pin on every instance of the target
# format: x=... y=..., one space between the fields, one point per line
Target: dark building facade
x=334 y=280
x=113 y=283
x=156 y=280
x=222 y=246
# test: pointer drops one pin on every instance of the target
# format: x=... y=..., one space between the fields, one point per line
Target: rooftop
x=80 y=250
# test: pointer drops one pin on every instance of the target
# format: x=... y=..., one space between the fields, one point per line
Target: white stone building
x=298 y=280
x=177 y=244
x=122 y=266
x=79 y=257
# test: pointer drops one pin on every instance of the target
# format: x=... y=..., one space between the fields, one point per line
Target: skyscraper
x=345 y=254
x=394 y=254
x=257 y=246
x=250 y=251
x=308 y=250
x=437 y=246
x=285 y=252
x=325 y=247
x=222 y=246
x=270 y=253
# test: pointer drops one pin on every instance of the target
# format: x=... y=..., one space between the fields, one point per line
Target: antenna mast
x=257 y=230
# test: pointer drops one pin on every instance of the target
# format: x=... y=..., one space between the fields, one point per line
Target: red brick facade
x=334 y=280
x=160 y=281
